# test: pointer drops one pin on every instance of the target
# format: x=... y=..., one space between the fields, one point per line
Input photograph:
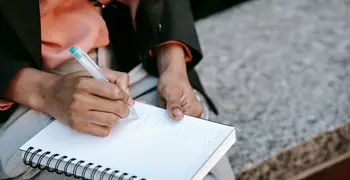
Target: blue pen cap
x=75 y=52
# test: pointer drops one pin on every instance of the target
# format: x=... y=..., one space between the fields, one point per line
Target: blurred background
x=279 y=72
x=205 y=8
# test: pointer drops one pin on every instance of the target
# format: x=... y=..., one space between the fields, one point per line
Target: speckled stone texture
x=279 y=71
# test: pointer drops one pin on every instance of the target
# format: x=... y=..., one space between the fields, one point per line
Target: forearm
x=28 y=87
x=171 y=58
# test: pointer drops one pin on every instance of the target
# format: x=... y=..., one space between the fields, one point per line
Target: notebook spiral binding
x=29 y=160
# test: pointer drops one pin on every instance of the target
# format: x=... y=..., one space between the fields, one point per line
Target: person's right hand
x=89 y=105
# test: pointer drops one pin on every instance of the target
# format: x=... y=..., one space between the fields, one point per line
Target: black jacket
x=157 y=21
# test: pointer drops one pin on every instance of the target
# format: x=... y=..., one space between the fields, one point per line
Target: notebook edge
x=229 y=141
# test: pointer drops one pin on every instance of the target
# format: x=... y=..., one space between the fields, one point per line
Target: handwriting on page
x=157 y=121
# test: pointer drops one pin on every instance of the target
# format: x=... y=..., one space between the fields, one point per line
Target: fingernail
x=177 y=113
x=107 y=132
x=131 y=101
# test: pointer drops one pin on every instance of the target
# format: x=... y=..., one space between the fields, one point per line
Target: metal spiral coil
x=29 y=161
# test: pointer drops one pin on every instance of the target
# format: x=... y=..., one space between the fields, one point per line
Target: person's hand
x=177 y=95
x=89 y=105
x=175 y=91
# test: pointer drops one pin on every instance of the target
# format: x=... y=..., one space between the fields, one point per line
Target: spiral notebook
x=153 y=147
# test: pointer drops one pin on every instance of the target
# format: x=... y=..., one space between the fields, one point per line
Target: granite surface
x=301 y=158
x=279 y=71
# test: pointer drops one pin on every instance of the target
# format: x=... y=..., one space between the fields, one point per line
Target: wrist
x=29 y=88
x=40 y=101
x=171 y=58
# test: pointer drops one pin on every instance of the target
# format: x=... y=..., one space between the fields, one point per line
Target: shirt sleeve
x=5 y=105
x=188 y=54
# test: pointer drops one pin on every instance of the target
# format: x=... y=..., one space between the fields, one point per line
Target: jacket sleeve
x=13 y=55
x=187 y=51
x=175 y=23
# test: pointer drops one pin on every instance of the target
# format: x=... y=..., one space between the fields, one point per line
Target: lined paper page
x=153 y=147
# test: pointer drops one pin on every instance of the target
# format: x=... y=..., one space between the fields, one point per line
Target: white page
x=152 y=147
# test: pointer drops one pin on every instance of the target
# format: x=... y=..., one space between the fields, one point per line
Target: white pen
x=93 y=69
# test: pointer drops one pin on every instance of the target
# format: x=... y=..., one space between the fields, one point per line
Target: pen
x=93 y=69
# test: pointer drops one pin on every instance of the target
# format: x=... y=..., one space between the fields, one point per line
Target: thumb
x=119 y=78
x=174 y=107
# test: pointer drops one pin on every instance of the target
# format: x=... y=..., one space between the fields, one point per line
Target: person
x=38 y=73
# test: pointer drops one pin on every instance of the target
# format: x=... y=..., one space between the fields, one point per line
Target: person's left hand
x=177 y=95
x=174 y=89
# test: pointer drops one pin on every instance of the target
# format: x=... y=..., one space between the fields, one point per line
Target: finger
x=119 y=78
x=102 y=118
x=81 y=73
x=192 y=108
x=101 y=88
x=161 y=101
x=130 y=100
x=176 y=113
x=96 y=103
x=174 y=105
x=92 y=129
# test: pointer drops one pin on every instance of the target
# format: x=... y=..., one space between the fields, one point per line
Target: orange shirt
x=67 y=23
